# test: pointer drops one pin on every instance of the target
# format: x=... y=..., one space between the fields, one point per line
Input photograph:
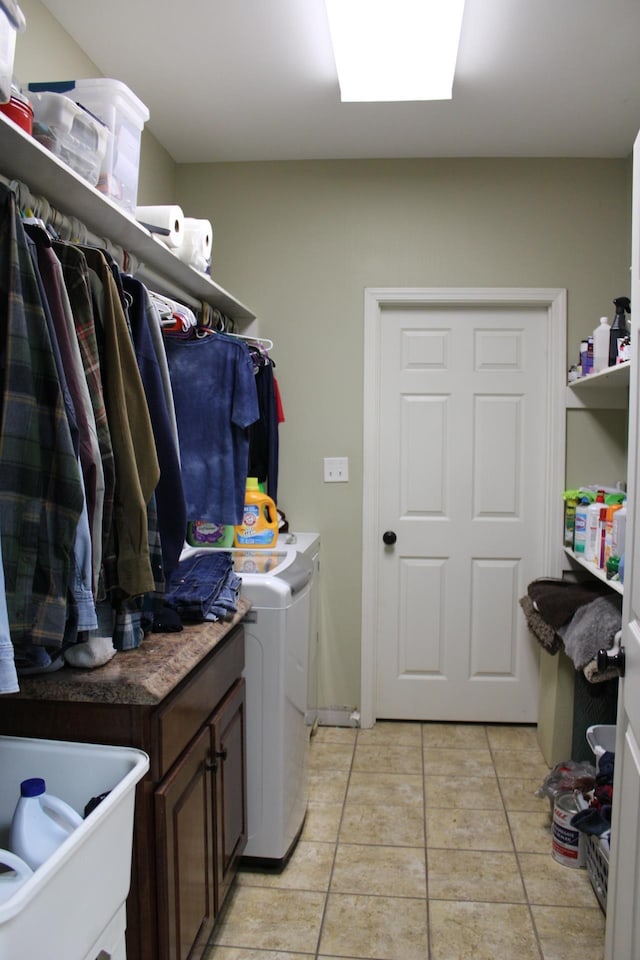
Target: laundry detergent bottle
x=259 y=527
x=41 y=822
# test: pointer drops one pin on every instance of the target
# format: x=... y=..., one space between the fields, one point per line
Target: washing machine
x=280 y=673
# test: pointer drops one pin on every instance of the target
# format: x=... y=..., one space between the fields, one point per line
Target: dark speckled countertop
x=142 y=676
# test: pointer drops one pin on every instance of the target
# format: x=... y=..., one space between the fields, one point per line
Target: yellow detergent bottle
x=259 y=527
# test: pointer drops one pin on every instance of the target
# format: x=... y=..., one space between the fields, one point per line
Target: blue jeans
x=197 y=582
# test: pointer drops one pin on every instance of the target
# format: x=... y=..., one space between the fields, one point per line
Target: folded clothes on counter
x=204 y=587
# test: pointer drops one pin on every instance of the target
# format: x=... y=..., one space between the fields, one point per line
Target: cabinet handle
x=213 y=763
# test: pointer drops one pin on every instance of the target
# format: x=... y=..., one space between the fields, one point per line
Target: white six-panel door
x=463 y=426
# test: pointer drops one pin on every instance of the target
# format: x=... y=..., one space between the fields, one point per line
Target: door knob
x=389 y=537
x=616 y=659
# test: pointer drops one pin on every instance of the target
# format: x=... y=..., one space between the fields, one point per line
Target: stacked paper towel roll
x=167 y=217
x=197 y=244
x=188 y=238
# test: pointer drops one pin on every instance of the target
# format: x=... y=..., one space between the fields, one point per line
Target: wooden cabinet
x=190 y=817
x=201 y=828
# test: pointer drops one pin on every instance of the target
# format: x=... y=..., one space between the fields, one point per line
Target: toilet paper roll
x=197 y=243
x=168 y=217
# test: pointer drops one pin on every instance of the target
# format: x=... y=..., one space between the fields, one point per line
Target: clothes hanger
x=268 y=344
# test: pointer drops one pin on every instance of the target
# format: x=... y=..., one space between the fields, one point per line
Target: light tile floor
x=422 y=842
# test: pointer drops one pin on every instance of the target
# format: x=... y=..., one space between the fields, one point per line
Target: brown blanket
x=557 y=600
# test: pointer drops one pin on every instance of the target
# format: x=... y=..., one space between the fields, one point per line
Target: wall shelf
x=606 y=390
x=24 y=159
x=594 y=571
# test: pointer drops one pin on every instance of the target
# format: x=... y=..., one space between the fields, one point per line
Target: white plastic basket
x=64 y=909
x=598 y=867
x=601 y=737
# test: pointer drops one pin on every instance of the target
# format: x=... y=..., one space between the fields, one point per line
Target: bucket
x=19 y=110
x=567 y=845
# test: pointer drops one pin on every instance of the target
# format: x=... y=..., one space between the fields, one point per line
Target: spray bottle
x=619 y=329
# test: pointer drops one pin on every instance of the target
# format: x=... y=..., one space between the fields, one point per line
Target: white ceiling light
x=395 y=49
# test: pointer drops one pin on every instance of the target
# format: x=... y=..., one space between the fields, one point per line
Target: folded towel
x=593 y=627
x=539 y=628
x=557 y=600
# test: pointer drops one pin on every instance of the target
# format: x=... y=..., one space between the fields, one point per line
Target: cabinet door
x=185 y=843
x=228 y=746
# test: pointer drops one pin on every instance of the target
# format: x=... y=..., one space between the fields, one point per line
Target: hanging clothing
x=64 y=340
x=263 y=435
x=216 y=402
x=8 y=674
x=77 y=283
x=136 y=462
x=40 y=490
x=169 y=494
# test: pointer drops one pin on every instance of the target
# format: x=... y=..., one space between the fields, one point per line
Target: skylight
x=395 y=49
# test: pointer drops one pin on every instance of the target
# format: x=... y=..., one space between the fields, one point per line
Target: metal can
x=568 y=843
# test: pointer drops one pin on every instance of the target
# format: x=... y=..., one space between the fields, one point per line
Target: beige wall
x=298 y=242
x=46 y=52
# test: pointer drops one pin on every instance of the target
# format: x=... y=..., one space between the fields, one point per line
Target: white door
x=623 y=899
x=462 y=443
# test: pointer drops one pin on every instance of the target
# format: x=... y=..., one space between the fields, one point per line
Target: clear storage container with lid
x=125 y=116
x=70 y=132
x=12 y=22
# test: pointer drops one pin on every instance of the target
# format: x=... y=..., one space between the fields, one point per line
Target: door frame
x=376 y=299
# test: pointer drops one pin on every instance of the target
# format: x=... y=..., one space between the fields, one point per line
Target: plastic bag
x=566 y=777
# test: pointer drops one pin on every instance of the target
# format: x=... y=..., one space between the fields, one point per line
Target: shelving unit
x=607 y=390
x=24 y=159
x=594 y=571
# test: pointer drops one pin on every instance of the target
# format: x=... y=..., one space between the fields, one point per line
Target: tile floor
x=422 y=842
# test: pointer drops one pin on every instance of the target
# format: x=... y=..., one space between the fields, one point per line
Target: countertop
x=142 y=676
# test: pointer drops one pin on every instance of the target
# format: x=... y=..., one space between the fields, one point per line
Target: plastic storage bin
x=125 y=116
x=72 y=134
x=601 y=737
x=12 y=22
x=73 y=907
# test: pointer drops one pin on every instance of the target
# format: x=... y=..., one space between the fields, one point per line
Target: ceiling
x=255 y=80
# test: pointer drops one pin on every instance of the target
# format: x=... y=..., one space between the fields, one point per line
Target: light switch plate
x=336 y=469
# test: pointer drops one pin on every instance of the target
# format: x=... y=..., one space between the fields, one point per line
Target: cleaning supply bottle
x=570 y=503
x=580 y=526
x=259 y=527
x=601 y=343
x=619 y=329
x=592 y=543
x=612 y=509
x=17 y=873
x=40 y=823
x=202 y=533
x=618 y=531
